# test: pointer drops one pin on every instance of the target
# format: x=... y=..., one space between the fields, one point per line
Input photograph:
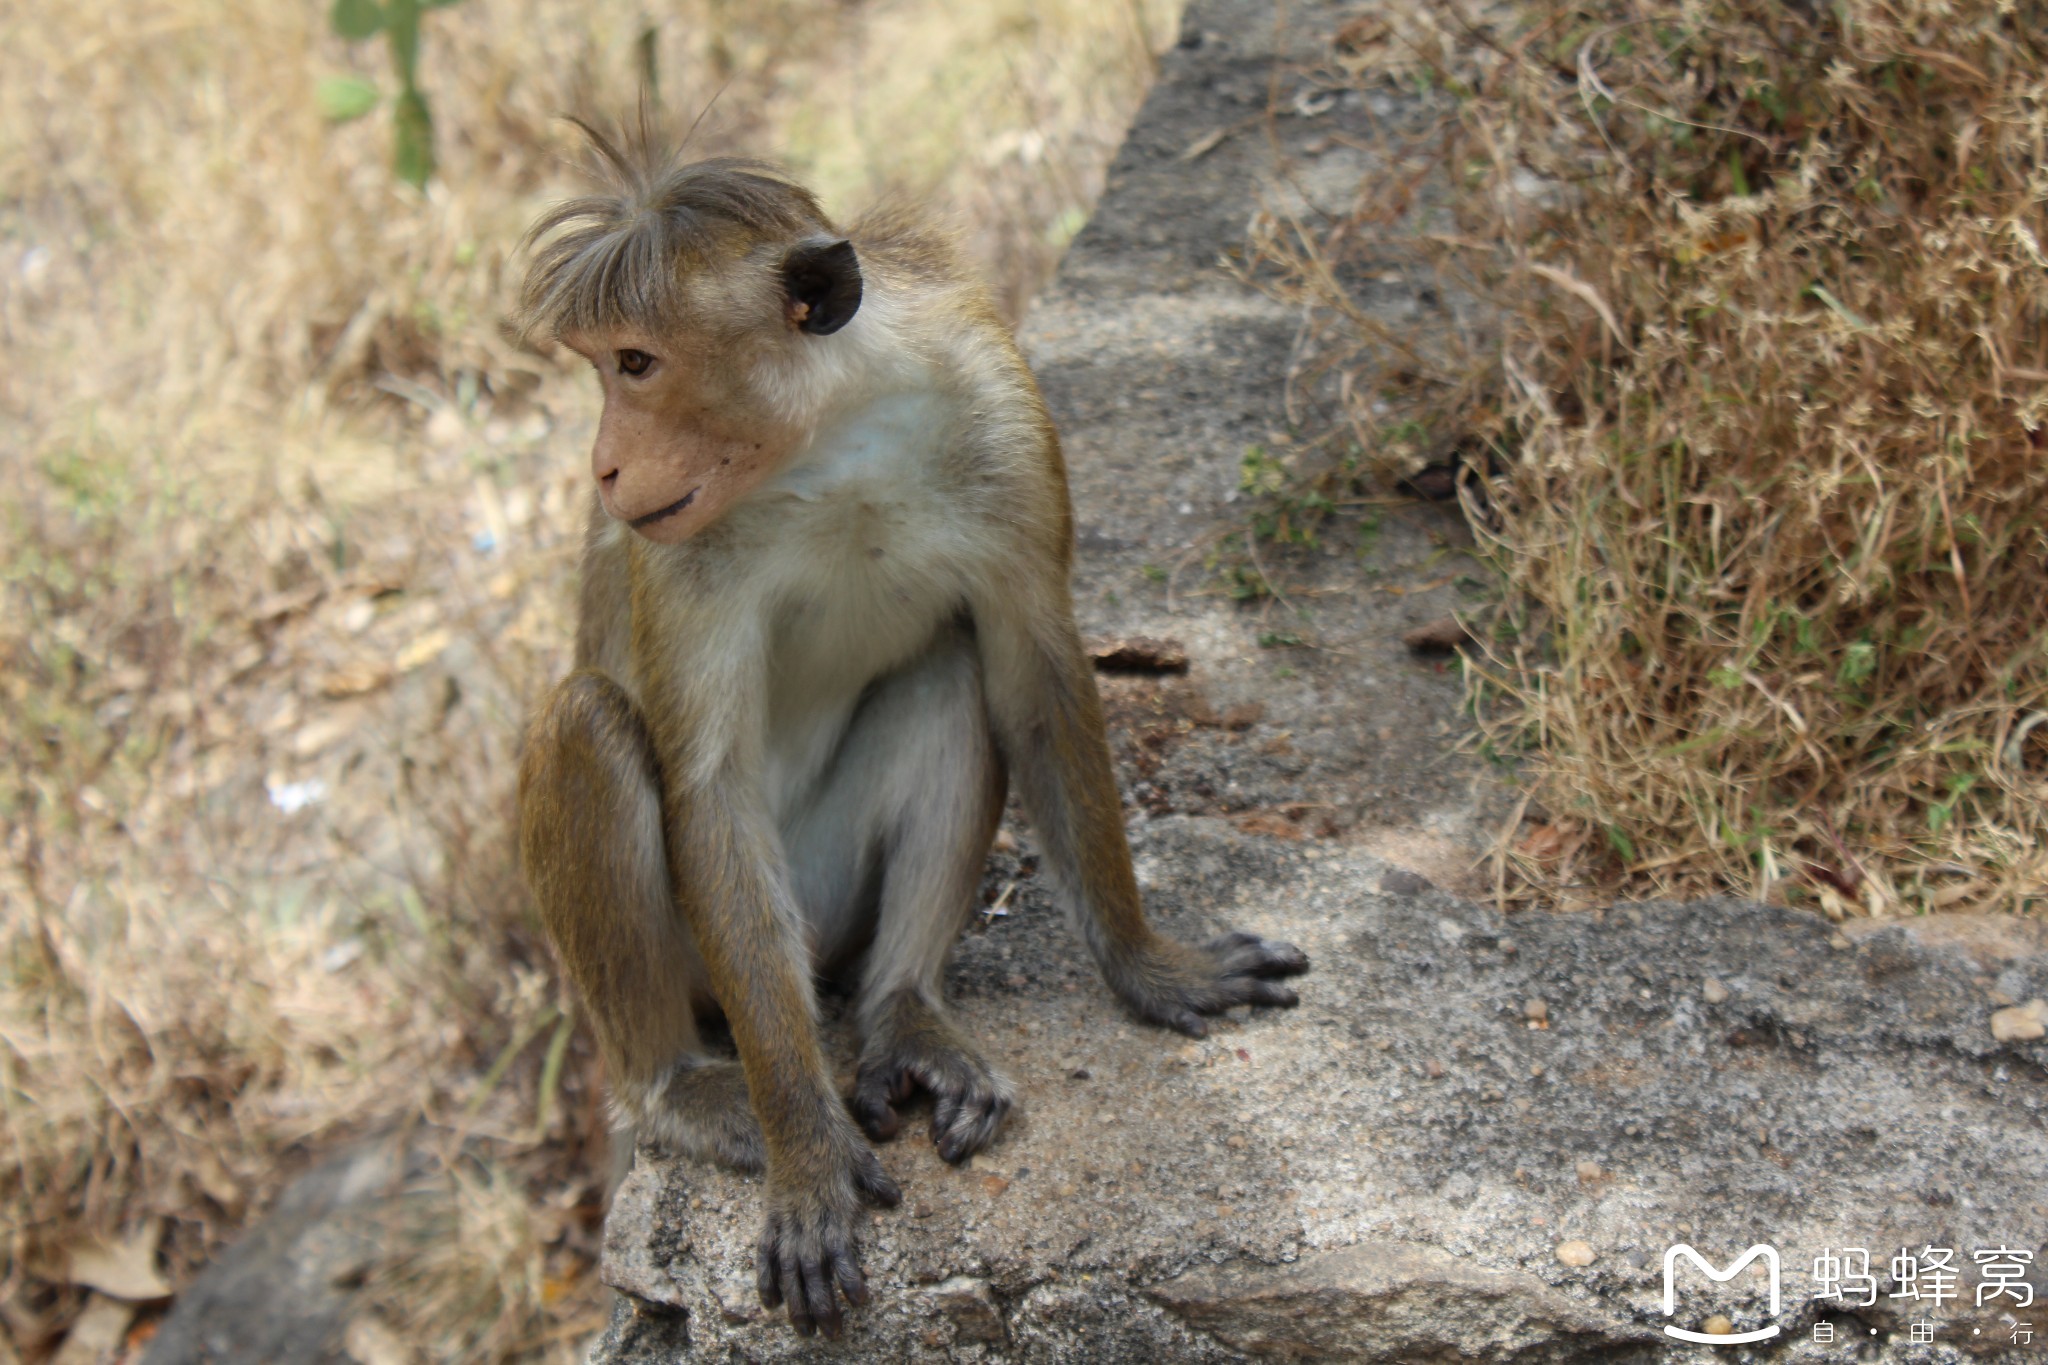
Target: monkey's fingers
x=851 y=1282
x=818 y=1291
x=790 y=1273
x=1243 y=954
x=766 y=1282
x=873 y=1182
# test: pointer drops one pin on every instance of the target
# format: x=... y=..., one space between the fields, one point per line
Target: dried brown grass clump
x=1746 y=361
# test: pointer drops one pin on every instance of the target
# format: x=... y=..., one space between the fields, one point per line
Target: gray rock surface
x=287 y=1291
x=1389 y=1171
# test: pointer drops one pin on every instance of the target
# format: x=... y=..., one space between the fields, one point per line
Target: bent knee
x=588 y=746
x=586 y=711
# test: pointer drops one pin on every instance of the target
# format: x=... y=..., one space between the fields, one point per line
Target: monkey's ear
x=821 y=281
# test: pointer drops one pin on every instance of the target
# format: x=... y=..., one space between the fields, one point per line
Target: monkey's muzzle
x=663 y=513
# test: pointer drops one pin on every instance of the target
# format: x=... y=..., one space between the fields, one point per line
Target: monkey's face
x=682 y=438
x=686 y=433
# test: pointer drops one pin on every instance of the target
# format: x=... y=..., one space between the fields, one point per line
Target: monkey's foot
x=1174 y=984
x=912 y=1046
x=701 y=1109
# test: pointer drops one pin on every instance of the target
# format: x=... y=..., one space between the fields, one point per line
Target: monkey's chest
x=870 y=600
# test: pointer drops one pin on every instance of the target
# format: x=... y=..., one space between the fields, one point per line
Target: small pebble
x=1235 y=1140
x=1434 y=1069
x=1401 y=882
x=1537 y=1011
x=1589 y=1172
x=2021 y=1023
x=1507 y=945
x=1837 y=941
x=1713 y=991
x=993 y=1185
x=1575 y=1253
x=1717 y=1326
x=1068 y=1190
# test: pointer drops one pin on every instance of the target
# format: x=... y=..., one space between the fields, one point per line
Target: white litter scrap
x=293 y=797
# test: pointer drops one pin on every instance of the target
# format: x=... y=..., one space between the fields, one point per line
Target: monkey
x=824 y=620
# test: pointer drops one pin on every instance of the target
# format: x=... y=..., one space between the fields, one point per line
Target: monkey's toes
x=876 y=1093
x=963 y=1123
x=970 y=1100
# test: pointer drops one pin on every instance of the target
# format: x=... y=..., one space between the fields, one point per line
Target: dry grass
x=285 y=552
x=1745 y=355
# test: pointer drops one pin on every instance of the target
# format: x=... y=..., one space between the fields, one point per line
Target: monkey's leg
x=592 y=843
x=919 y=767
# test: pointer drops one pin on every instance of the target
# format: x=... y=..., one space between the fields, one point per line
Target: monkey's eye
x=635 y=362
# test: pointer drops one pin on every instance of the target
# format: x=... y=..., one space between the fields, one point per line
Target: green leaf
x=412 y=140
x=1859 y=661
x=402 y=27
x=341 y=98
x=356 y=19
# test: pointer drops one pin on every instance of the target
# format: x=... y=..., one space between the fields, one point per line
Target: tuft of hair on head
x=615 y=258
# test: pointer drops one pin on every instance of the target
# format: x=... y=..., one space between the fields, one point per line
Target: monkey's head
x=706 y=296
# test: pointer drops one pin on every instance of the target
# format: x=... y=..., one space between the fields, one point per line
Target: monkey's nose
x=610 y=479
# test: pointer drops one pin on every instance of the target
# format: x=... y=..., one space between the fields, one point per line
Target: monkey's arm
x=727 y=869
x=1047 y=717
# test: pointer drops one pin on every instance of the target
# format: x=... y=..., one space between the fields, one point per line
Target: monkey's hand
x=1175 y=984
x=806 y=1255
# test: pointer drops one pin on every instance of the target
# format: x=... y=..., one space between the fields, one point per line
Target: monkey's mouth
x=663 y=513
